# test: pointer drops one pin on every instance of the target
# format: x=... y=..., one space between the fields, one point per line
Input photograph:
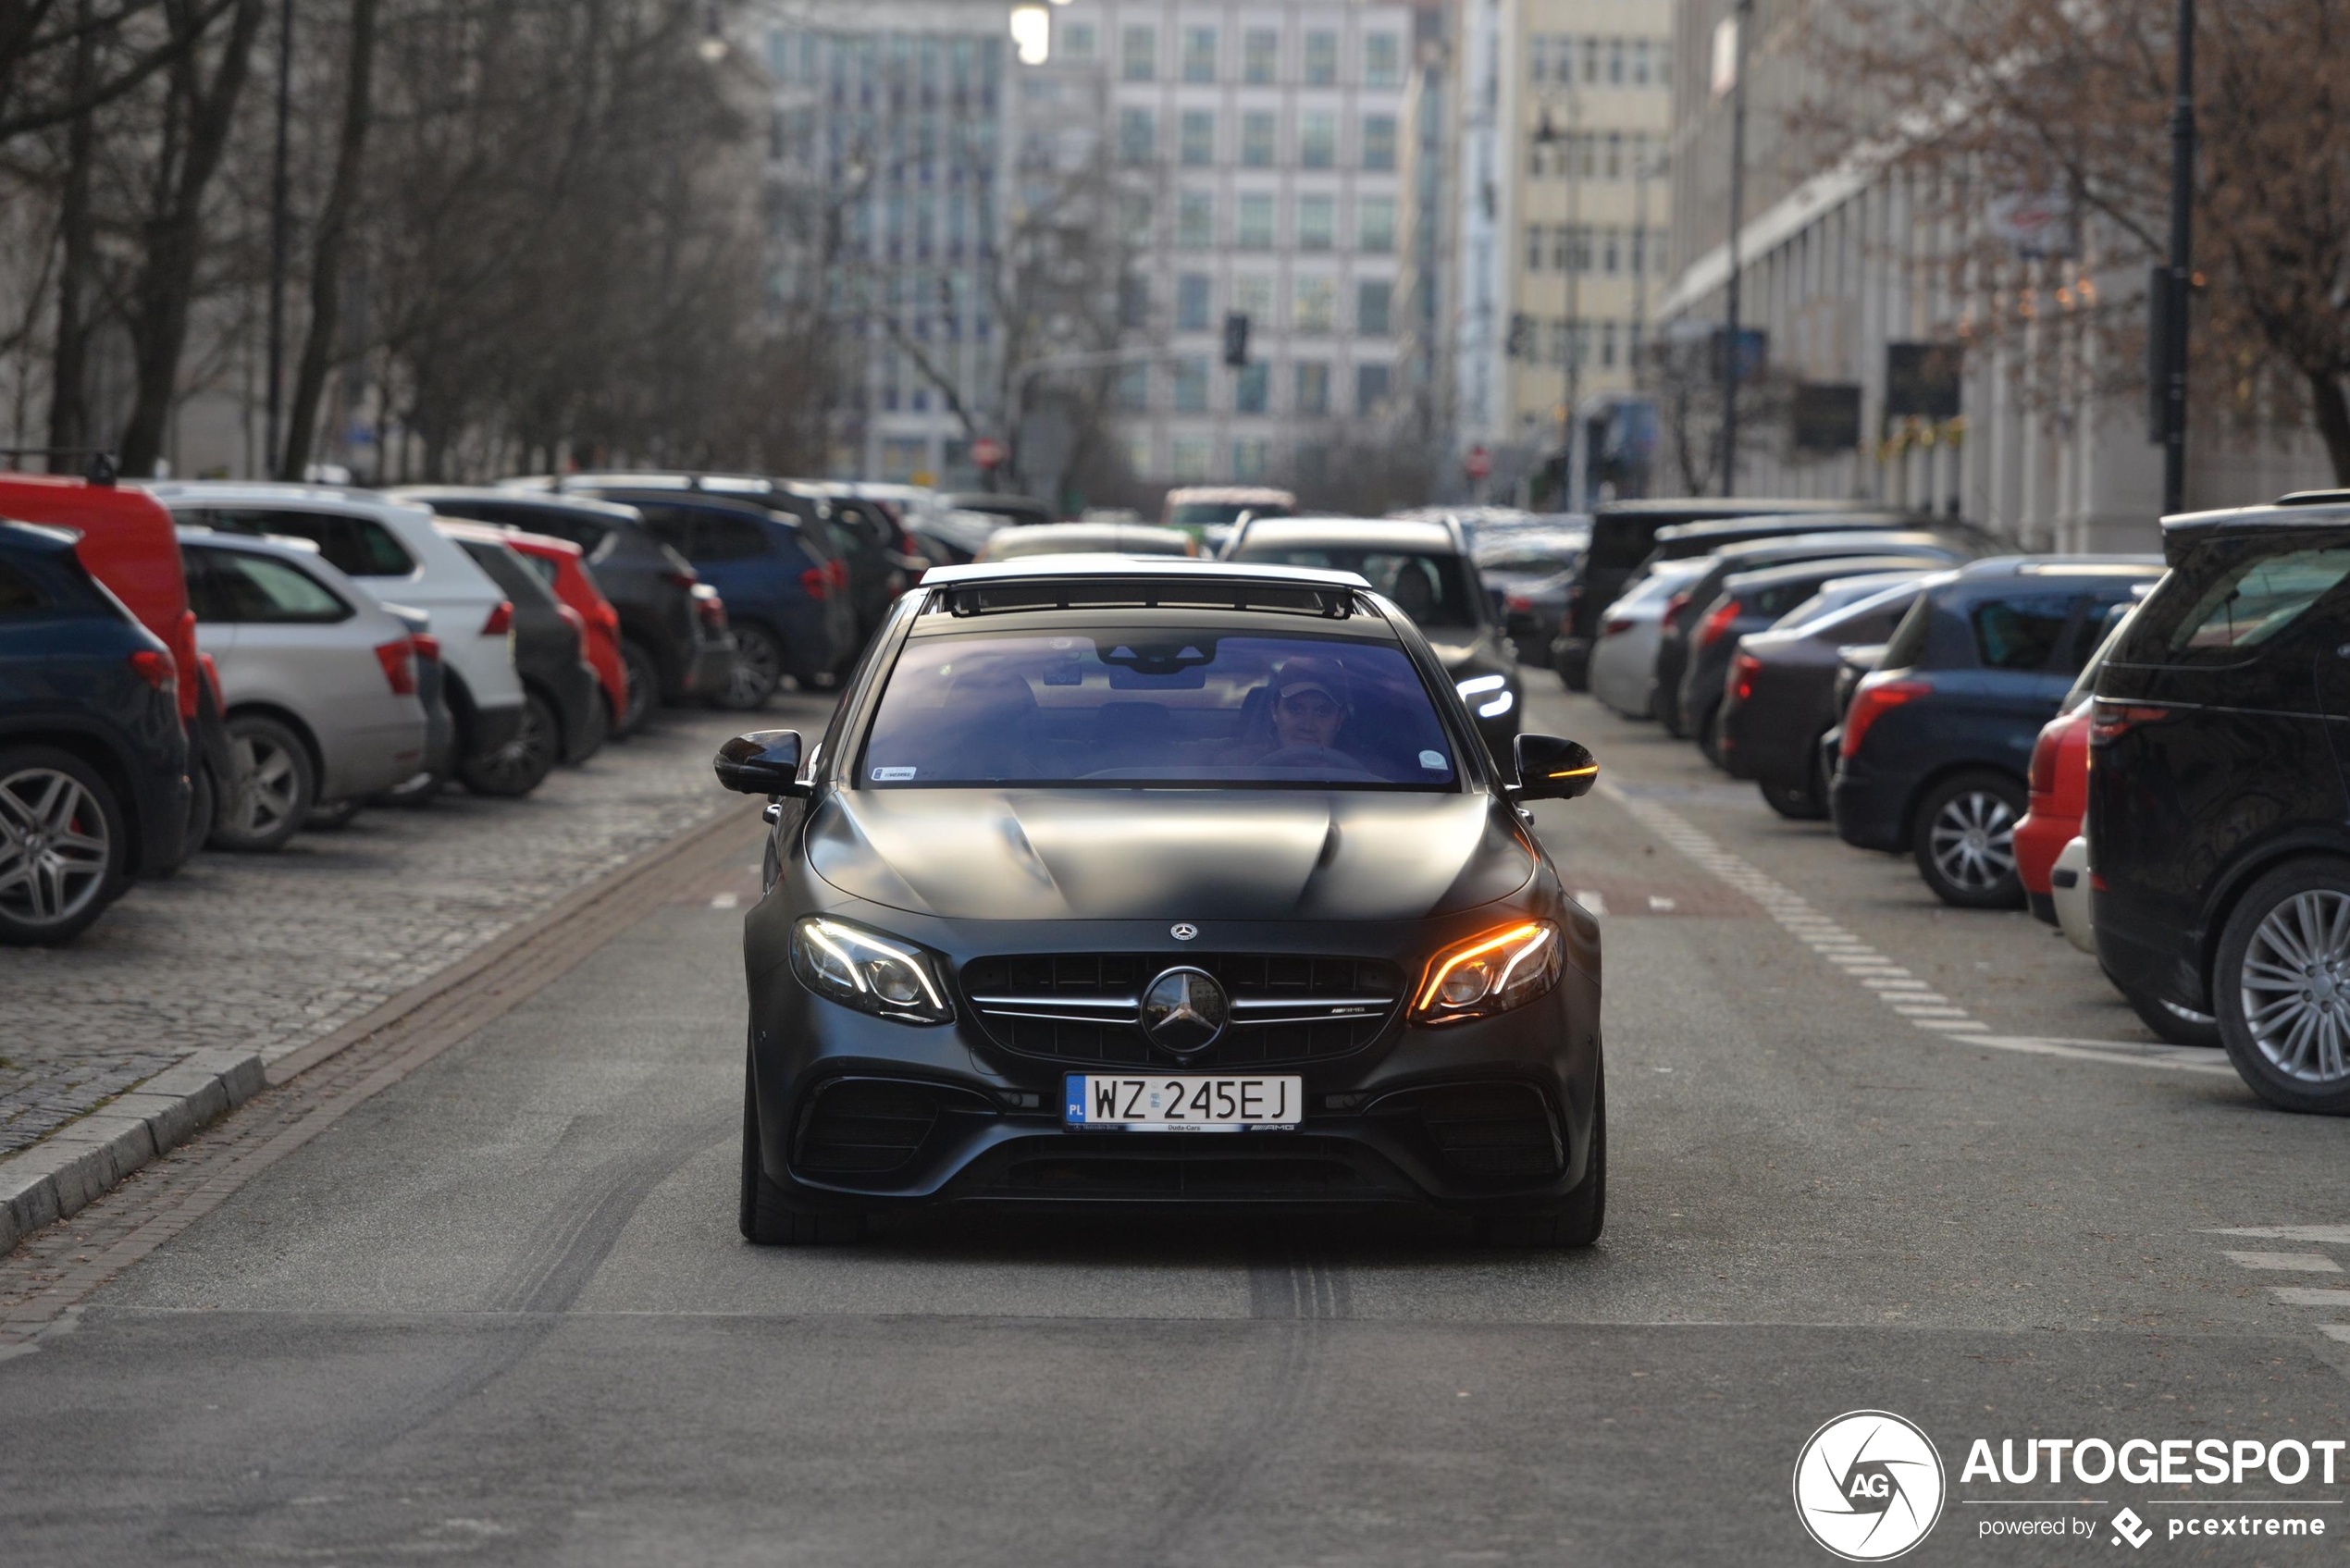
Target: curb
x=70 y=1168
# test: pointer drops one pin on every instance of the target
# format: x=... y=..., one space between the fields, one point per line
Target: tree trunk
x=160 y=298
x=325 y=256
x=2333 y=421
x=69 y=364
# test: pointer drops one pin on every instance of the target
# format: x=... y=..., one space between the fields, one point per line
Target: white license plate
x=1183 y=1103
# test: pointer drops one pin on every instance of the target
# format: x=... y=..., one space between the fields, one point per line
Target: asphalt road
x=500 y=1312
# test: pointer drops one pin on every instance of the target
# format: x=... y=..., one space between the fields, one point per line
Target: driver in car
x=1311 y=702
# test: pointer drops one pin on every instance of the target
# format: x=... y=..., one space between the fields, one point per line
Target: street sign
x=1478 y=463
x=1827 y=416
x=988 y=453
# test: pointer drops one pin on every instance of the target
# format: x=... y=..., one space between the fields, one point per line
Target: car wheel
x=1580 y=1223
x=1706 y=727
x=1668 y=713
x=597 y=724
x=333 y=815
x=1797 y=803
x=2281 y=983
x=270 y=797
x=643 y=684
x=64 y=846
x=204 y=805
x=522 y=764
x=758 y=670
x=2176 y=1025
x=1963 y=838
x=768 y=1219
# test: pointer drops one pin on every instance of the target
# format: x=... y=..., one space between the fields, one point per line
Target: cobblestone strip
x=55 y=1269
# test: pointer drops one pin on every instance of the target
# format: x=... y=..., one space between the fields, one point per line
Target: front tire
x=2278 y=987
x=275 y=786
x=643 y=685
x=1578 y=1224
x=758 y=670
x=2174 y=1024
x=767 y=1218
x=1963 y=839
x=65 y=848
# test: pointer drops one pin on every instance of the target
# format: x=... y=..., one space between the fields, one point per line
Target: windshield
x=1834 y=606
x=1528 y=555
x=1197 y=513
x=1104 y=709
x=1431 y=590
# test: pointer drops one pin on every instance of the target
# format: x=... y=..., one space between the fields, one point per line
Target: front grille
x=1081 y=1007
x=1487 y=1132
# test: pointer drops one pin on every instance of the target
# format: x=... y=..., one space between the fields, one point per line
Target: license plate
x=1182 y=1103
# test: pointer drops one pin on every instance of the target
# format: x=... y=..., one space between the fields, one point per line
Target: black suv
x=1938 y=741
x=2218 y=824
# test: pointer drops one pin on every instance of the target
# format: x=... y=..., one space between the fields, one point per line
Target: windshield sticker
x=1432 y=759
x=893 y=776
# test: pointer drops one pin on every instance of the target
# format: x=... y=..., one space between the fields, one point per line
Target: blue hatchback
x=1938 y=741
x=93 y=764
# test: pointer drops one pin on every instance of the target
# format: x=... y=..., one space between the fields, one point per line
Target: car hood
x=1189 y=855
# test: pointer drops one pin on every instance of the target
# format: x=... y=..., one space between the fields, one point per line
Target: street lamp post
x=2173 y=303
x=1573 y=253
x=280 y=221
x=1745 y=14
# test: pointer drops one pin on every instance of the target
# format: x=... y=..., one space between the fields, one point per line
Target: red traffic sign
x=988 y=453
x=1478 y=463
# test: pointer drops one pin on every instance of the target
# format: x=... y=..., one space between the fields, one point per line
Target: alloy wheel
x=2296 y=987
x=520 y=764
x=269 y=786
x=54 y=848
x=758 y=669
x=1973 y=840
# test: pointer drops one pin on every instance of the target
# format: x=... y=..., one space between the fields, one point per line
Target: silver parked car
x=317 y=678
x=1623 y=655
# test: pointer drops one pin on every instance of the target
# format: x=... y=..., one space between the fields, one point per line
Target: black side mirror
x=762 y=762
x=1552 y=768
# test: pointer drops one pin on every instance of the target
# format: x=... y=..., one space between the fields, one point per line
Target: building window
x=1137 y=137
x=1590 y=60
x=1313 y=306
x=1316 y=222
x=1140 y=54
x=1078 y=39
x=1612 y=168
x=1374 y=305
x=1321 y=58
x=1253 y=297
x=1640 y=62
x=1615 y=62
x=1199 y=137
x=1251 y=458
x=1639 y=254
x=1608 y=246
x=1261 y=56
x=1533 y=247
x=1199 y=54
x=1607 y=344
x=1133 y=393
x=1316 y=139
x=1191 y=385
x=1538 y=59
x=1195 y=220
x=1133 y=302
x=1370 y=387
x=1378 y=142
x=1254 y=231
x=1374 y=222
x=1191 y=454
x=1257 y=139
x=1251 y=388
x=1313 y=387
x=1135 y=216
x=1192 y=291
x=1382 y=60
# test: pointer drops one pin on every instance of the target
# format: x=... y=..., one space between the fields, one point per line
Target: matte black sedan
x=2219 y=854
x=1143 y=882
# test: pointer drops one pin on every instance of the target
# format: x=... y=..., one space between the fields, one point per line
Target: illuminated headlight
x=1499 y=706
x=1491 y=973
x=867 y=970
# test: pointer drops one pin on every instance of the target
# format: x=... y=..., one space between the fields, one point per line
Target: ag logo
x=1868 y=1485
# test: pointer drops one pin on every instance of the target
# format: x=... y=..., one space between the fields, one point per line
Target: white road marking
x=2301 y=1295
x=2335 y=1332
x=2294 y=1263
x=724 y=901
x=1660 y=903
x=1590 y=900
x=2320 y=1235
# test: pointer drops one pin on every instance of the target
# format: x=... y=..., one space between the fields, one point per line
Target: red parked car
x=129 y=543
x=2059 y=786
x=559 y=562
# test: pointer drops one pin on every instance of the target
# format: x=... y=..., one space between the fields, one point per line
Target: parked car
x=954 y=539
x=1009 y=508
x=1783 y=700
x=1426 y=570
x=2217 y=808
x=1086 y=539
x=2058 y=778
x=1687 y=540
x=127 y=542
x=1755 y=601
x=1686 y=609
x=93 y=758
x=1527 y=571
x=779 y=569
x=1623 y=533
x=319 y=681
x=1938 y=738
x=884 y=560
x=1623 y=660
x=440 y=726
x=671 y=653
x=390 y=548
x=558 y=563
x=562 y=703
x=1194 y=508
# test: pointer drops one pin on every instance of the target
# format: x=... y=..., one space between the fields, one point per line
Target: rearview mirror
x=1552 y=768
x=762 y=762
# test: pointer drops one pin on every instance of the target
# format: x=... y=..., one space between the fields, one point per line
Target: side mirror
x=762 y=762
x=1552 y=768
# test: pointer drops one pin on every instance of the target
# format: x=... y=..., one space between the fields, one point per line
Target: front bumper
x=1380 y=1125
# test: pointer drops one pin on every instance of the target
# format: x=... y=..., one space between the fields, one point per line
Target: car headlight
x=1491 y=973
x=868 y=970
x=1495 y=691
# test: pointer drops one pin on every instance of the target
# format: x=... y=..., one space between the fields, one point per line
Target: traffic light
x=1236 y=340
x=1521 y=339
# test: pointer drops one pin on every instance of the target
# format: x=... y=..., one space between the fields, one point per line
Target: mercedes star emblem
x=1184 y=1011
x=1183 y=931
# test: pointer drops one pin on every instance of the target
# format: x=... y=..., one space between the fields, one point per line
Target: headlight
x=1489 y=974
x=867 y=970
x=1495 y=689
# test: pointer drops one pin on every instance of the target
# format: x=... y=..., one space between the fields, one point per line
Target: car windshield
x=1528 y=555
x=1109 y=708
x=1431 y=590
x=1839 y=604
